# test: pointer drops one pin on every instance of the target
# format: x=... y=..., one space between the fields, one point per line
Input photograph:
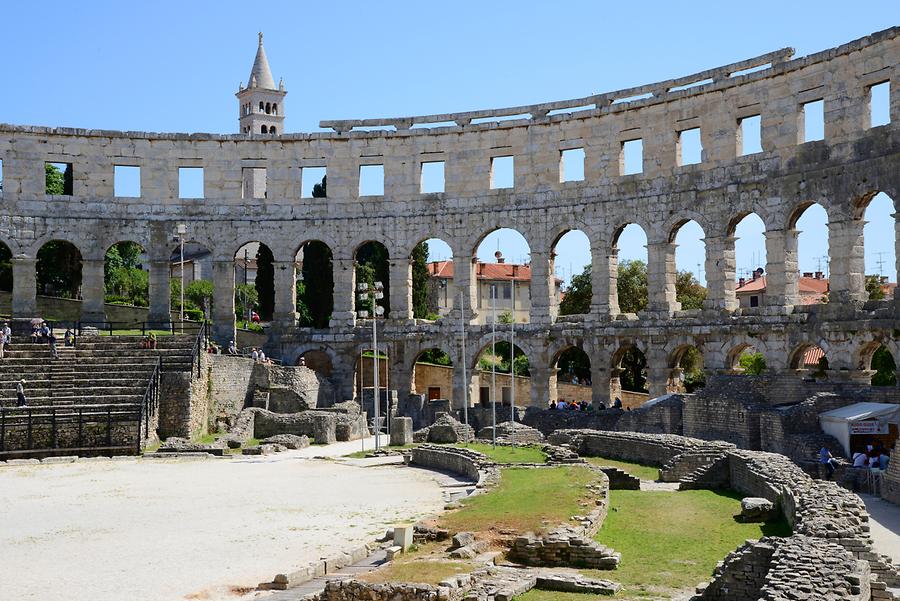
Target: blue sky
x=167 y=66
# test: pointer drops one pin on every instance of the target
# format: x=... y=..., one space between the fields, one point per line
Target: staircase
x=99 y=396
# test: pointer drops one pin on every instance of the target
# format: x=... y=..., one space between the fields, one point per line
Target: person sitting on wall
x=828 y=459
x=232 y=348
x=618 y=403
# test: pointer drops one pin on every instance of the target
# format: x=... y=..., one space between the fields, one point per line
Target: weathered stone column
x=541 y=289
x=782 y=277
x=720 y=273
x=540 y=388
x=24 y=295
x=604 y=279
x=847 y=264
x=464 y=284
x=342 y=314
x=160 y=295
x=896 y=217
x=462 y=389
x=92 y=291
x=661 y=278
x=600 y=381
x=400 y=290
x=285 y=313
x=658 y=372
x=223 y=302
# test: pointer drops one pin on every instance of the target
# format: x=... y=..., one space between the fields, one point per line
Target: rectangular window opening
x=812 y=115
x=690 y=147
x=127 y=181
x=688 y=86
x=190 y=182
x=631 y=159
x=880 y=104
x=571 y=165
x=371 y=180
x=1 y=177
x=572 y=109
x=749 y=70
x=253 y=182
x=432 y=177
x=58 y=179
x=749 y=135
x=313 y=182
x=502 y=172
x=635 y=98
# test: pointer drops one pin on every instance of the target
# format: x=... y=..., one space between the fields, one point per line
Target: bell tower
x=261 y=104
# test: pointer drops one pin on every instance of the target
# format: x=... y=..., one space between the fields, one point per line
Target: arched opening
x=6 y=276
x=687 y=374
x=318 y=361
x=254 y=284
x=811 y=360
x=749 y=233
x=629 y=269
x=885 y=368
x=432 y=375
x=261 y=106
x=811 y=223
x=571 y=264
x=263 y=129
x=492 y=377
x=315 y=284
x=746 y=360
x=275 y=108
x=879 y=234
x=690 y=258
x=570 y=376
x=364 y=377
x=58 y=270
x=125 y=280
x=628 y=378
x=268 y=108
x=272 y=130
x=372 y=268
x=433 y=293
x=195 y=270
x=503 y=277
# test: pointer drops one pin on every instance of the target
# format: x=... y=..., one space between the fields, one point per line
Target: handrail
x=199 y=347
x=150 y=402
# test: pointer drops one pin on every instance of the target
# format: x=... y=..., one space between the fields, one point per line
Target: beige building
x=510 y=281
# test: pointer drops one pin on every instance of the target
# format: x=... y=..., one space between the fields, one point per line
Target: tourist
x=2 y=343
x=262 y=356
x=232 y=348
x=68 y=338
x=254 y=354
x=45 y=331
x=21 y=401
x=828 y=459
x=302 y=361
x=618 y=403
x=583 y=405
x=7 y=334
x=552 y=405
x=51 y=342
x=151 y=340
x=560 y=404
x=860 y=460
x=35 y=333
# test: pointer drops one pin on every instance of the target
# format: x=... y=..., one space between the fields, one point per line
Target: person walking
x=7 y=334
x=21 y=401
x=2 y=342
x=51 y=342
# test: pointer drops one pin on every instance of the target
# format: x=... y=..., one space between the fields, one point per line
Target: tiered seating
x=101 y=369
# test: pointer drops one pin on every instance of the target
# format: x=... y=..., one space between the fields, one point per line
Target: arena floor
x=147 y=530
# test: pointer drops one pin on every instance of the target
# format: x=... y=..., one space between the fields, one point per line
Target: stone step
x=80 y=391
x=76 y=400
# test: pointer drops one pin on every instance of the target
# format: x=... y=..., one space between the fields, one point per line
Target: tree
x=320 y=190
x=199 y=294
x=873 y=287
x=246 y=297
x=885 y=368
x=420 y=281
x=434 y=356
x=573 y=361
x=632 y=286
x=634 y=368
x=265 y=282
x=58 y=269
x=688 y=291
x=372 y=266
x=505 y=318
x=691 y=363
x=54 y=180
x=315 y=301
x=752 y=364
x=123 y=276
x=578 y=295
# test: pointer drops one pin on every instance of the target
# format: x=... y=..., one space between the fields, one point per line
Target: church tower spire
x=261 y=103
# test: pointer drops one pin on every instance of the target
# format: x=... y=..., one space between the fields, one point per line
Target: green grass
x=671 y=541
x=117 y=332
x=504 y=454
x=525 y=500
x=639 y=470
x=426 y=564
x=536 y=595
x=367 y=452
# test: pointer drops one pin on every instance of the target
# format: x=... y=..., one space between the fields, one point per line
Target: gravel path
x=163 y=530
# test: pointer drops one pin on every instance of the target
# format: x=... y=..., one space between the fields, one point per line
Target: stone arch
x=263 y=129
x=124 y=274
x=432 y=375
x=484 y=378
x=570 y=373
x=686 y=367
x=629 y=362
x=199 y=259
x=58 y=268
x=268 y=108
x=506 y=276
x=314 y=262
x=434 y=283
x=364 y=367
x=615 y=263
x=274 y=108
x=254 y=266
x=806 y=355
x=317 y=360
x=576 y=244
x=373 y=262
x=6 y=271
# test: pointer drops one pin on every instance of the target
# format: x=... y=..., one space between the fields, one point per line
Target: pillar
x=604 y=279
x=223 y=302
x=464 y=286
x=720 y=273
x=92 y=291
x=542 y=287
x=160 y=295
x=400 y=290
x=540 y=388
x=658 y=372
x=896 y=217
x=342 y=314
x=847 y=266
x=462 y=389
x=661 y=278
x=285 y=313
x=600 y=381
x=24 y=295
x=782 y=276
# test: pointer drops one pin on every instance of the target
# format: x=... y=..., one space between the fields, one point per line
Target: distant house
x=502 y=275
x=197 y=263
x=752 y=292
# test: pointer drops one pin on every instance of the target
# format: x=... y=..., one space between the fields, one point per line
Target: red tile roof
x=812 y=355
x=485 y=271
x=807 y=286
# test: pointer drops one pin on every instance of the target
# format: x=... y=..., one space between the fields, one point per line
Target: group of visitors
x=259 y=356
x=5 y=339
x=874 y=457
x=581 y=381
x=572 y=405
x=42 y=332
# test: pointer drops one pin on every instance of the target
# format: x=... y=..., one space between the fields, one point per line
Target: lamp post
x=180 y=231
x=373 y=294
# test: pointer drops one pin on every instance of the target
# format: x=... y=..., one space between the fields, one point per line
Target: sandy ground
x=884 y=522
x=189 y=529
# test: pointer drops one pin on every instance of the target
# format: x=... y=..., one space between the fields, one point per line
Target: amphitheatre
x=124 y=442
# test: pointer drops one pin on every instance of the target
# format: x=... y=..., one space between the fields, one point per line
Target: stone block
x=403 y=536
x=401 y=431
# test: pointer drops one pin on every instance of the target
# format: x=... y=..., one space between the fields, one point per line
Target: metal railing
x=149 y=404
x=144 y=327
x=200 y=346
x=46 y=430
